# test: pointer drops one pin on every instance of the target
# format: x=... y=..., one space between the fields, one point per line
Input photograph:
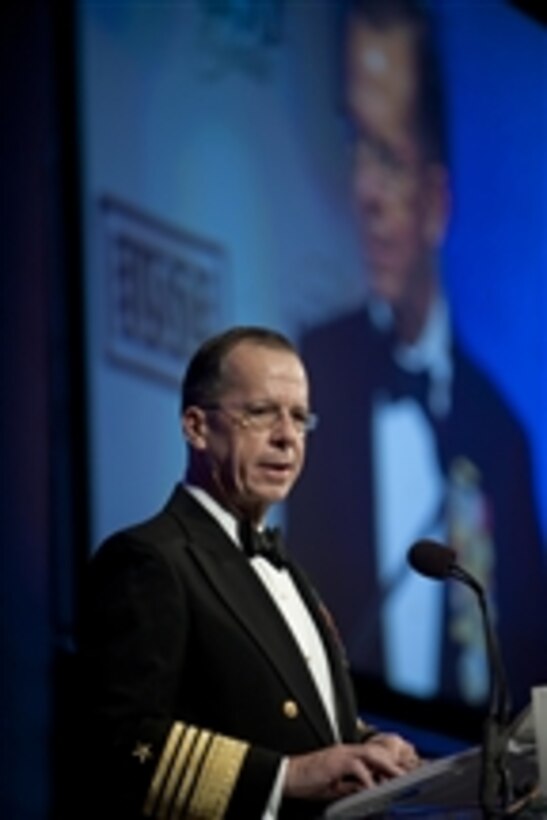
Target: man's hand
x=400 y=751
x=346 y=768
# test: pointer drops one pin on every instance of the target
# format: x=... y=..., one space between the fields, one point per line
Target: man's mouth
x=379 y=250
x=278 y=469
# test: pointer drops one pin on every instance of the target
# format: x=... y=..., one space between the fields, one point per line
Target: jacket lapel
x=346 y=707
x=227 y=570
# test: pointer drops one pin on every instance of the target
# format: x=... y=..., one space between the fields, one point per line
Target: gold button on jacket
x=290 y=709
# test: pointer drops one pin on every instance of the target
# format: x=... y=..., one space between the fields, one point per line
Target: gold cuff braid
x=195 y=775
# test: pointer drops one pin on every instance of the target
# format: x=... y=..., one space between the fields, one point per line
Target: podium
x=448 y=788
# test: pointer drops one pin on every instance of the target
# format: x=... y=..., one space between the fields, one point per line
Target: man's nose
x=370 y=183
x=285 y=427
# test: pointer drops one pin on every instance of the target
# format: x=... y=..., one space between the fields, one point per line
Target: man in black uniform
x=215 y=684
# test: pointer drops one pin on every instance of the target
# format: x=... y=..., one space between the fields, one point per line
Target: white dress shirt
x=410 y=489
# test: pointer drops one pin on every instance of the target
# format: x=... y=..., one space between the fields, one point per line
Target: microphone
x=431 y=559
x=436 y=561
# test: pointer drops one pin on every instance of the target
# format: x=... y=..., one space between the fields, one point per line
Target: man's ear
x=194 y=427
x=439 y=204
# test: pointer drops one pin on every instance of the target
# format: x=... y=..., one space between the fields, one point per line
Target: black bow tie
x=405 y=384
x=266 y=543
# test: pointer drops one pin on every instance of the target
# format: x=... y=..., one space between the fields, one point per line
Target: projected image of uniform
x=415 y=440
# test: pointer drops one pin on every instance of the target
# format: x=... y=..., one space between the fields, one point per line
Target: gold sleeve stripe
x=195 y=775
x=188 y=780
x=181 y=759
x=217 y=779
x=165 y=761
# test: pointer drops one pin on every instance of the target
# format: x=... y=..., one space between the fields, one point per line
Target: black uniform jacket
x=194 y=685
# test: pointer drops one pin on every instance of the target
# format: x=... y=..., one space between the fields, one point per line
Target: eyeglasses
x=264 y=416
x=398 y=168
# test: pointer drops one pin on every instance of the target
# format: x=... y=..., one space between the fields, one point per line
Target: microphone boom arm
x=436 y=561
x=494 y=781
